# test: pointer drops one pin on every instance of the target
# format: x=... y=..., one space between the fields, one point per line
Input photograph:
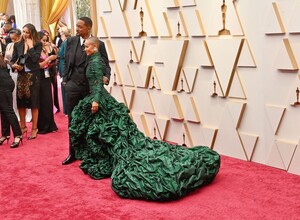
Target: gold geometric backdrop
x=209 y=73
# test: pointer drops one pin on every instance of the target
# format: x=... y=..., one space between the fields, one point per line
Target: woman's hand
x=51 y=58
x=6 y=60
x=105 y=80
x=95 y=107
x=17 y=67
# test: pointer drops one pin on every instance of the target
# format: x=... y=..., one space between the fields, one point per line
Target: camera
x=21 y=61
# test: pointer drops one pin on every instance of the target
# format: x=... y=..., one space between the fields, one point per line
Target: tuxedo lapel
x=83 y=57
x=73 y=49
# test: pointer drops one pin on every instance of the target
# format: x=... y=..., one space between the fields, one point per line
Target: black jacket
x=70 y=52
x=31 y=57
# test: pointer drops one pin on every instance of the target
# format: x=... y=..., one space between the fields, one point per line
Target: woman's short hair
x=94 y=40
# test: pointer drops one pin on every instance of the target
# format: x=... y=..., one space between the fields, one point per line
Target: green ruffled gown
x=110 y=145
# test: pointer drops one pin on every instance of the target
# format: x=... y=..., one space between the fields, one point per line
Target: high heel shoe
x=33 y=135
x=24 y=130
x=16 y=142
x=4 y=138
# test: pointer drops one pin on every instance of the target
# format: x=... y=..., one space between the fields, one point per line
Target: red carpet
x=34 y=185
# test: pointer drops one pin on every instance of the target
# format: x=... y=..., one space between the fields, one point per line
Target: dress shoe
x=4 y=138
x=69 y=159
x=34 y=132
x=16 y=142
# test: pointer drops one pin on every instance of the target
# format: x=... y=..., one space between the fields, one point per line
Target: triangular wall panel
x=227 y=128
x=162 y=125
x=294 y=22
x=176 y=109
x=286 y=59
x=193 y=22
x=236 y=89
x=191 y=112
x=129 y=96
x=249 y=142
x=274 y=158
x=127 y=77
x=148 y=104
x=246 y=58
x=225 y=54
x=286 y=150
x=236 y=110
x=275 y=115
x=141 y=123
x=295 y=163
x=190 y=75
x=274 y=23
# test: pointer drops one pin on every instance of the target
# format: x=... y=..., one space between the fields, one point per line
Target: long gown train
x=110 y=145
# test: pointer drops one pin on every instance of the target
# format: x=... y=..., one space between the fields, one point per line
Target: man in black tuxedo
x=57 y=39
x=74 y=78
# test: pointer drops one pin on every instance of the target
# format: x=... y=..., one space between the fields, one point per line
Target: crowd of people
x=101 y=132
x=33 y=63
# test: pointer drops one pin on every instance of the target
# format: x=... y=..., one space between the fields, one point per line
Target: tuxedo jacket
x=31 y=57
x=70 y=56
x=59 y=41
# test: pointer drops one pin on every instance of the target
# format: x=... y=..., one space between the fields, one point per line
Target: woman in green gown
x=110 y=145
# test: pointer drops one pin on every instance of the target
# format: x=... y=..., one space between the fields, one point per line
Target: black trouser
x=74 y=93
x=8 y=116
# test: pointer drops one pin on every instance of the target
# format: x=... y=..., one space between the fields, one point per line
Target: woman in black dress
x=25 y=59
x=46 y=121
x=8 y=116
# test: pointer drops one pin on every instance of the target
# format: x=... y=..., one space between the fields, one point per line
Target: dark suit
x=74 y=79
x=70 y=52
x=57 y=41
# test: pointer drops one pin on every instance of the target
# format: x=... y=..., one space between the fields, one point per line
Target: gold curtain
x=3 y=6
x=46 y=7
x=51 y=11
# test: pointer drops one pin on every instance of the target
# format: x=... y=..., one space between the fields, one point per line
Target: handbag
x=21 y=60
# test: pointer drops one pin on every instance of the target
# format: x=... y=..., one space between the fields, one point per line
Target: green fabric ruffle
x=110 y=145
